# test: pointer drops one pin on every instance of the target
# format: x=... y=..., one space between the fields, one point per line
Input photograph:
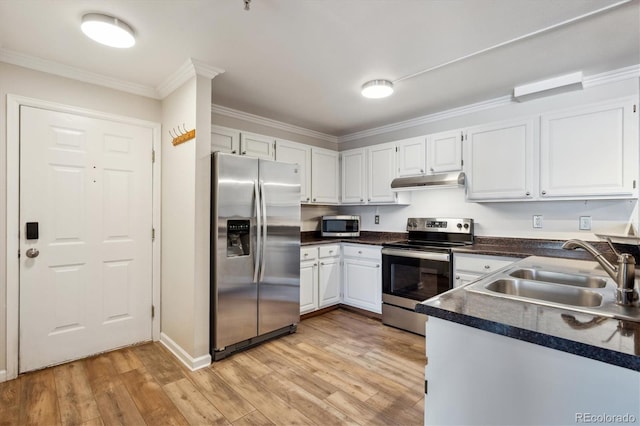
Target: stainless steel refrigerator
x=255 y=251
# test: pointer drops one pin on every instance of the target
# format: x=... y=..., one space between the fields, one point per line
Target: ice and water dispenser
x=238 y=238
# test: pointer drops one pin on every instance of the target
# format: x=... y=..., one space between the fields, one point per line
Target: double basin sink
x=565 y=284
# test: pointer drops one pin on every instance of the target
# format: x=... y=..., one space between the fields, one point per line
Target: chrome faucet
x=623 y=273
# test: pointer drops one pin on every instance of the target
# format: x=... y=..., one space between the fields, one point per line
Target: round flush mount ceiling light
x=107 y=30
x=376 y=89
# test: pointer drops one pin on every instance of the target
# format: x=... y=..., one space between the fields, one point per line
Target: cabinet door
x=444 y=152
x=463 y=279
x=381 y=171
x=589 y=151
x=411 y=157
x=362 y=284
x=353 y=176
x=292 y=152
x=308 y=286
x=329 y=282
x=225 y=139
x=324 y=176
x=499 y=162
x=258 y=146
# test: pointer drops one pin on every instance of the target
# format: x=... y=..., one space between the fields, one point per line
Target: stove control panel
x=432 y=224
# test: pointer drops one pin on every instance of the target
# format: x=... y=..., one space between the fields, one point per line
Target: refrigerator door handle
x=264 y=227
x=258 y=248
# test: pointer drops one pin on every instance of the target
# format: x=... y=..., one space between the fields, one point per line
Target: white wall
x=34 y=84
x=512 y=219
x=186 y=176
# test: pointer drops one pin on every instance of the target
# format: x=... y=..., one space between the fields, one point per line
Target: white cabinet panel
x=353 y=176
x=308 y=286
x=329 y=282
x=499 y=161
x=590 y=151
x=411 y=157
x=444 y=152
x=296 y=153
x=381 y=171
x=225 y=139
x=470 y=267
x=254 y=145
x=362 y=277
x=324 y=176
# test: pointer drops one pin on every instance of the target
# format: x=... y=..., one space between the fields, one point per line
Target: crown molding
x=608 y=77
x=56 y=68
x=189 y=69
x=252 y=118
x=454 y=112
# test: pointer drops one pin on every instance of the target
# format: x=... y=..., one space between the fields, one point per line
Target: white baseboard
x=192 y=364
x=3 y=376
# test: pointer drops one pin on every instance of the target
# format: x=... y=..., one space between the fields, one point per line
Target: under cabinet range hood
x=440 y=180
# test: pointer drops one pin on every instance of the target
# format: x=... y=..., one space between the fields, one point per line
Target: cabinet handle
x=377 y=266
x=314 y=199
x=432 y=170
x=315 y=265
x=244 y=152
x=527 y=193
x=361 y=200
x=234 y=151
x=322 y=263
x=457 y=277
x=306 y=254
x=544 y=192
x=359 y=251
x=330 y=251
x=369 y=199
x=487 y=267
x=421 y=170
x=307 y=198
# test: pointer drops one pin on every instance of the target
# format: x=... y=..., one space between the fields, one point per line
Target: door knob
x=32 y=252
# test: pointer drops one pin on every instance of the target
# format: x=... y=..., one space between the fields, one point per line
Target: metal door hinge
x=634 y=107
x=153 y=311
x=18 y=254
x=396 y=149
x=425 y=387
x=461 y=136
x=634 y=184
x=153 y=234
x=462 y=162
x=153 y=155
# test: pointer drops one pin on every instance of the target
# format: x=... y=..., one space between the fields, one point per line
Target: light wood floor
x=339 y=368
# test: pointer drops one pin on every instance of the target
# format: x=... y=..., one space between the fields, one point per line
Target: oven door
x=411 y=276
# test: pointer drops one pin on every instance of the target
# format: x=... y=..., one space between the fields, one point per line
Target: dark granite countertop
x=592 y=336
x=366 y=237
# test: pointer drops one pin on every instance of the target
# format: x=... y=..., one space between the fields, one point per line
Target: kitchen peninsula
x=552 y=365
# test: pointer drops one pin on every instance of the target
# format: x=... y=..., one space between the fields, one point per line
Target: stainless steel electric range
x=419 y=268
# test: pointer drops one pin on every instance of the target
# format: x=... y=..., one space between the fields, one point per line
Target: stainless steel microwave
x=341 y=226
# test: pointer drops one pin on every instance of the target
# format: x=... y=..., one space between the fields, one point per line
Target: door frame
x=14 y=102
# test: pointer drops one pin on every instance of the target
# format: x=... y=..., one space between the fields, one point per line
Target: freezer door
x=279 y=293
x=234 y=249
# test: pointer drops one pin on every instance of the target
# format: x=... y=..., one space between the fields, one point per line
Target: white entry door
x=86 y=278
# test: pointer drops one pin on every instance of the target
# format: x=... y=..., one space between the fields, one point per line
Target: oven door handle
x=442 y=257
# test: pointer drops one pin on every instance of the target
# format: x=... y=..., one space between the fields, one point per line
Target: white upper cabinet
x=296 y=153
x=381 y=171
x=234 y=141
x=499 y=161
x=444 y=152
x=354 y=176
x=325 y=176
x=590 y=151
x=254 y=145
x=411 y=157
x=225 y=139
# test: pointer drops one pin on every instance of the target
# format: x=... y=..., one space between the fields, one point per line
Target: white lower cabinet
x=470 y=267
x=362 y=277
x=320 y=278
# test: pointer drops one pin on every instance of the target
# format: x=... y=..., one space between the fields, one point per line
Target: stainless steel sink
x=548 y=292
x=559 y=278
x=579 y=286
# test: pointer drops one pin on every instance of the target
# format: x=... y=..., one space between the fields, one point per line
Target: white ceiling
x=302 y=62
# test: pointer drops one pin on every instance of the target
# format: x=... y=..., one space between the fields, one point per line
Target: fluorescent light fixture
x=107 y=30
x=551 y=86
x=376 y=89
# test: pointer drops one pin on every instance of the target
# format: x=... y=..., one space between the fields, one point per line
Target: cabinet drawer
x=329 y=250
x=360 y=251
x=308 y=253
x=481 y=264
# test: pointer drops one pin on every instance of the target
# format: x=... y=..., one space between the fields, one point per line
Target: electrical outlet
x=585 y=223
x=537 y=221
x=377 y=219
